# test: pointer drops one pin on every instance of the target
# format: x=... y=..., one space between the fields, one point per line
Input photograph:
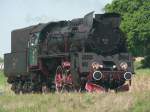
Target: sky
x=15 y=14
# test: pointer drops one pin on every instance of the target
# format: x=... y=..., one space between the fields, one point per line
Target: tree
x=135 y=23
x=1 y=59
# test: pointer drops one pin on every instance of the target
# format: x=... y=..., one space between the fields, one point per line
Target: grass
x=2 y=81
x=2 y=78
x=71 y=102
x=136 y=100
x=142 y=103
x=141 y=71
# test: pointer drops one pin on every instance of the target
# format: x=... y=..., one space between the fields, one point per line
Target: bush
x=146 y=62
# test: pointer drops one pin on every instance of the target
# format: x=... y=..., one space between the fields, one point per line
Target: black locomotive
x=82 y=54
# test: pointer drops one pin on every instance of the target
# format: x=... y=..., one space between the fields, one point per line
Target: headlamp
x=123 y=65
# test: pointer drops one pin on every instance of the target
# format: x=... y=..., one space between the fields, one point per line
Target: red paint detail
x=58 y=80
x=116 y=75
x=66 y=64
x=90 y=76
x=123 y=88
x=68 y=79
x=91 y=87
x=61 y=80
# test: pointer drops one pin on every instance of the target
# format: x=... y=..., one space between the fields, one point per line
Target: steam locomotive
x=84 y=54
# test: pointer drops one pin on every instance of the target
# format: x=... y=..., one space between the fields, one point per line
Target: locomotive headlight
x=97 y=75
x=123 y=65
x=32 y=44
x=114 y=66
x=96 y=65
x=101 y=66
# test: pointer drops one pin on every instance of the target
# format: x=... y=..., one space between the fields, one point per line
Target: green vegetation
x=76 y=102
x=135 y=24
x=1 y=60
x=142 y=103
x=136 y=100
x=146 y=61
x=139 y=69
x=2 y=78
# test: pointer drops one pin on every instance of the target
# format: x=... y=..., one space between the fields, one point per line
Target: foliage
x=139 y=69
x=142 y=103
x=2 y=78
x=146 y=61
x=135 y=23
x=1 y=59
